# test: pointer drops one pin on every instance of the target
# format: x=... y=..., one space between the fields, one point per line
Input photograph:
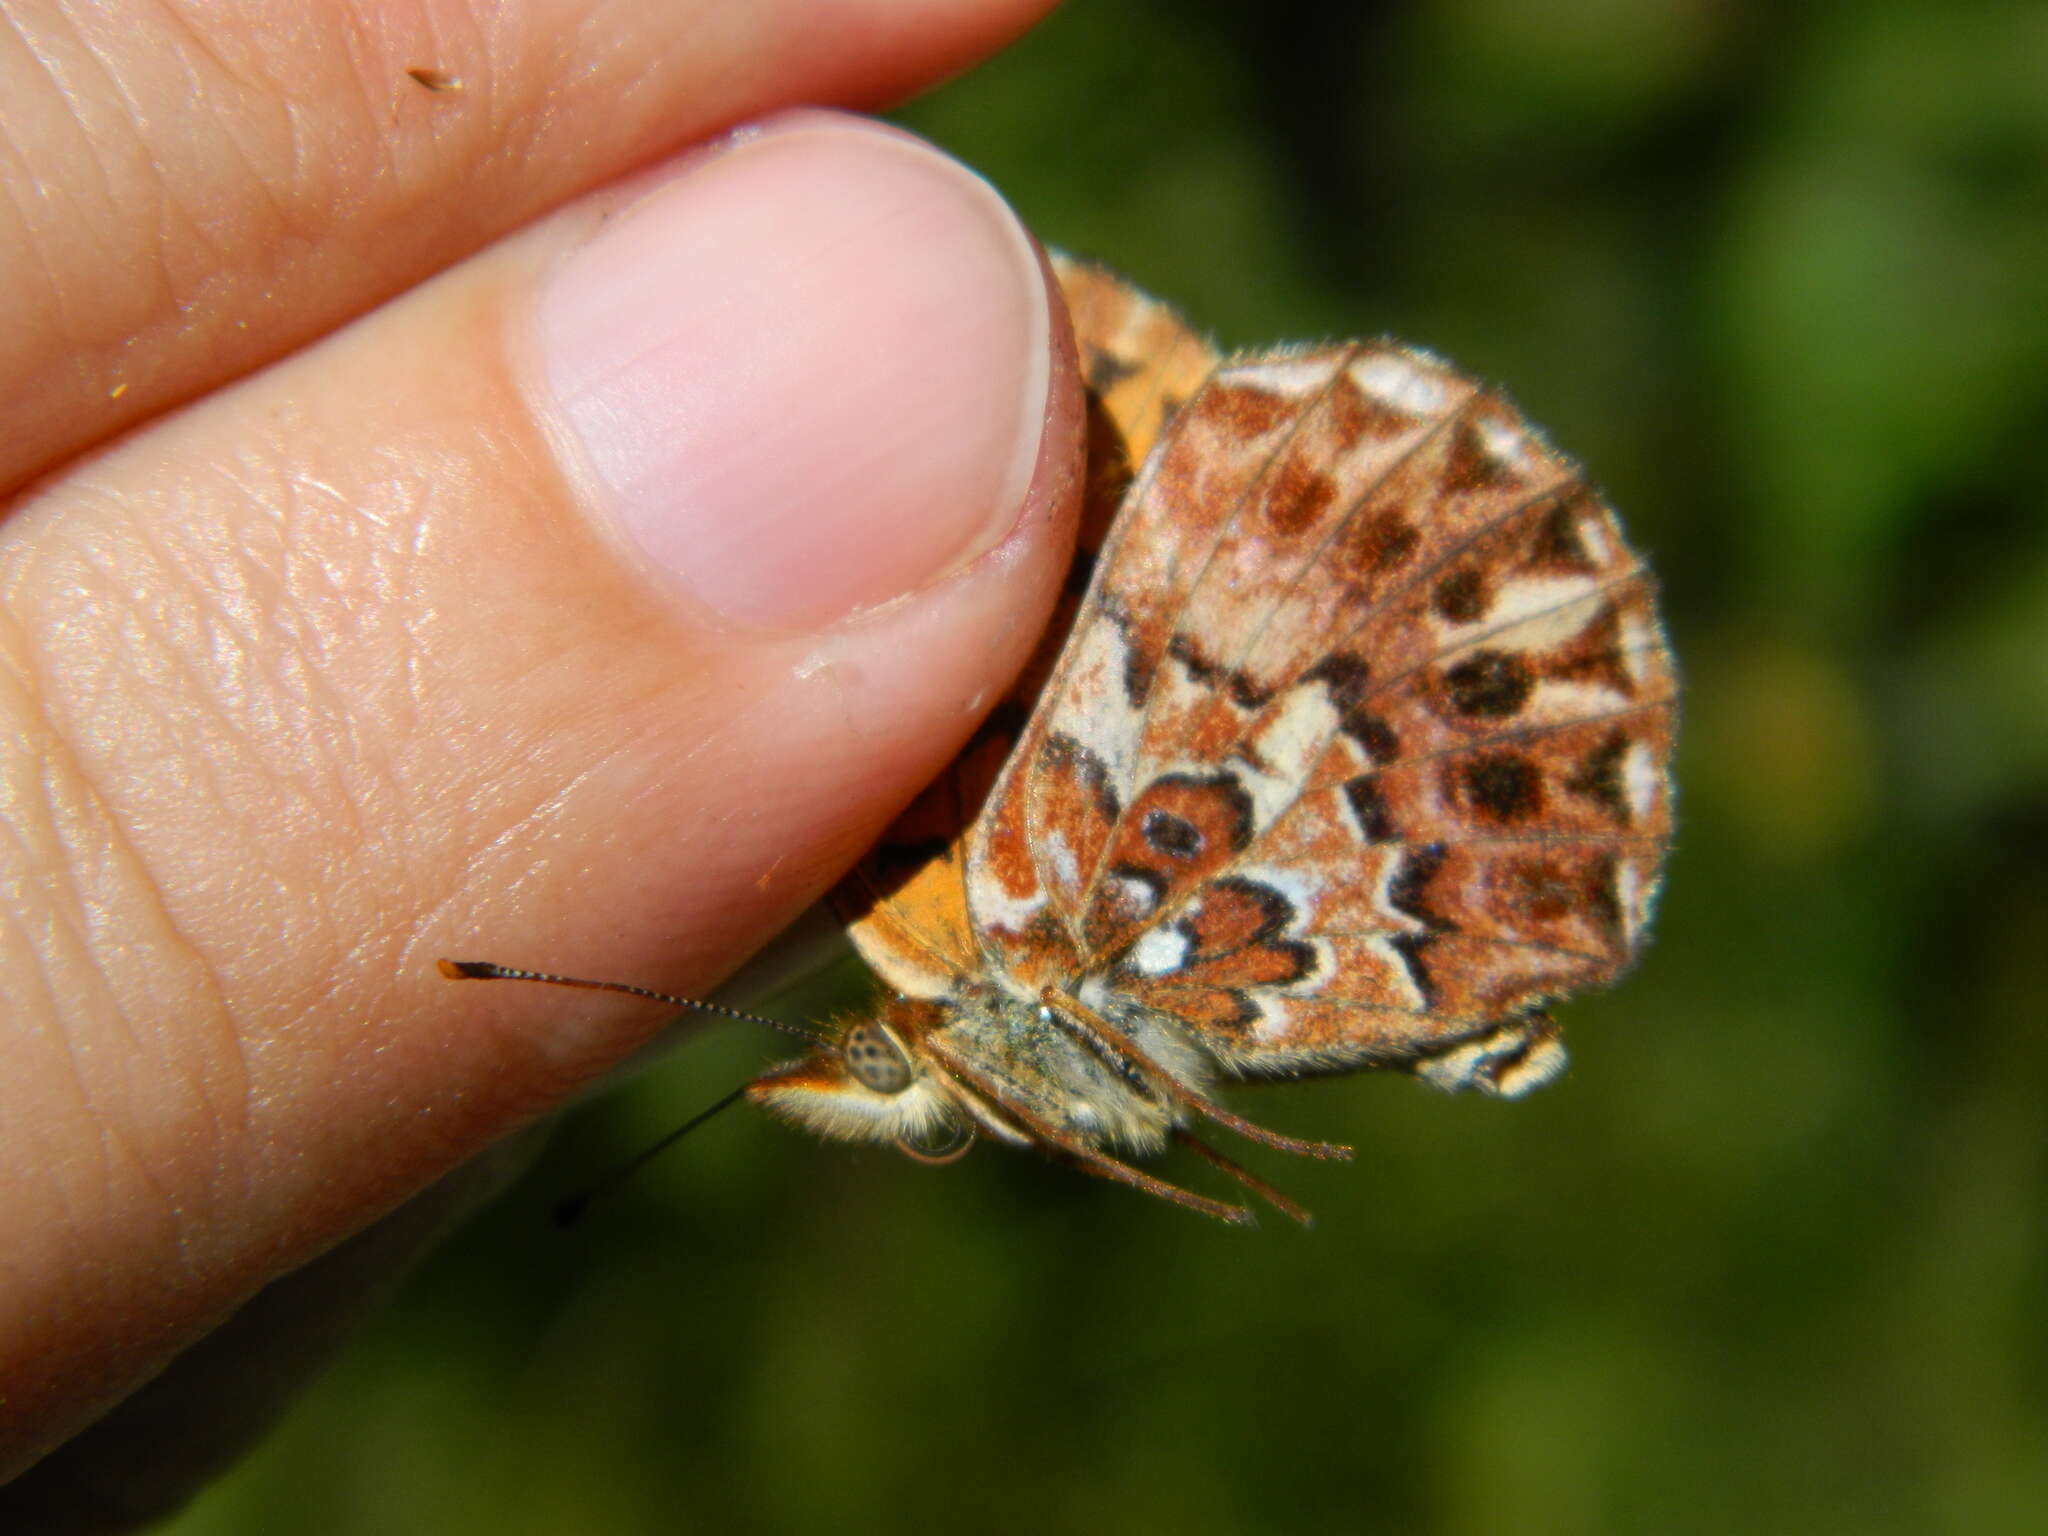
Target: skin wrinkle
x=278 y=658
x=121 y=848
x=68 y=110
x=224 y=1105
x=76 y=1052
x=358 y=781
x=128 y=174
x=38 y=957
x=63 y=913
x=166 y=668
x=203 y=249
x=196 y=40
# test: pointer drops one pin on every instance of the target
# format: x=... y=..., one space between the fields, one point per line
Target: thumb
x=590 y=607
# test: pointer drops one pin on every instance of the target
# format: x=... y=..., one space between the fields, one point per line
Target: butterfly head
x=869 y=1083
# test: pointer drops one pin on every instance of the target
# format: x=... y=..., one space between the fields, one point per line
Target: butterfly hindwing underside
x=1347 y=748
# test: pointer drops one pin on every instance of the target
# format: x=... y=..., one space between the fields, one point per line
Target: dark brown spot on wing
x=1558 y=546
x=1106 y=370
x=1594 y=655
x=1244 y=692
x=1064 y=761
x=1244 y=410
x=1413 y=948
x=1141 y=645
x=1408 y=891
x=1502 y=786
x=1470 y=465
x=1174 y=836
x=1489 y=685
x=1295 y=498
x=1461 y=597
x=1598 y=777
x=1552 y=890
x=1180 y=830
x=1355 y=415
x=1373 y=545
x=1369 y=809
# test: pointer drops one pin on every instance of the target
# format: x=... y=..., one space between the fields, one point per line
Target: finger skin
x=187 y=193
x=339 y=671
x=144 y=1460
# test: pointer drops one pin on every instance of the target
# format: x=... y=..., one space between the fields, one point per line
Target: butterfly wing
x=905 y=903
x=1357 y=751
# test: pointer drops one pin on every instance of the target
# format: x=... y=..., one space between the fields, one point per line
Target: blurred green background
x=1774 y=1256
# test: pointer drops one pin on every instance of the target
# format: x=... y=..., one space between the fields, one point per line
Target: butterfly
x=1347 y=748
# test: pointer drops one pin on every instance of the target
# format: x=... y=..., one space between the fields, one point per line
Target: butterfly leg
x=1246 y=1177
x=1107 y=1042
x=973 y=1085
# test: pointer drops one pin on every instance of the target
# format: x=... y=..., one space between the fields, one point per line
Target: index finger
x=187 y=193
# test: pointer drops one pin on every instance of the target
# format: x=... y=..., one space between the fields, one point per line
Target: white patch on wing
x=1638 y=641
x=1161 y=951
x=1058 y=855
x=1138 y=897
x=1641 y=781
x=1092 y=708
x=996 y=911
x=1508 y=445
x=1564 y=702
x=1291 y=737
x=1632 y=893
x=1293 y=376
x=1509 y=1061
x=1599 y=542
x=1275 y=1022
x=1298 y=883
x=1540 y=621
x=1543 y=1061
x=1454 y=1069
x=1403 y=383
x=1519 y=602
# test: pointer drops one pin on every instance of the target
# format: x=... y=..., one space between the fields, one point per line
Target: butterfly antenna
x=570 y=1211
x=484 y=970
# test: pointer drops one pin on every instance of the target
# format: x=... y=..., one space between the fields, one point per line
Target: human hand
x=591 y=603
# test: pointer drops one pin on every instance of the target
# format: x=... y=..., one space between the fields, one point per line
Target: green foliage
x=1771 y=1259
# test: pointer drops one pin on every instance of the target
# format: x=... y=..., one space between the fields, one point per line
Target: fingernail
x=809 y=373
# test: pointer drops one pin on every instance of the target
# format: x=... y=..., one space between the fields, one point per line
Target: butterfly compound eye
x=875 y=1059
